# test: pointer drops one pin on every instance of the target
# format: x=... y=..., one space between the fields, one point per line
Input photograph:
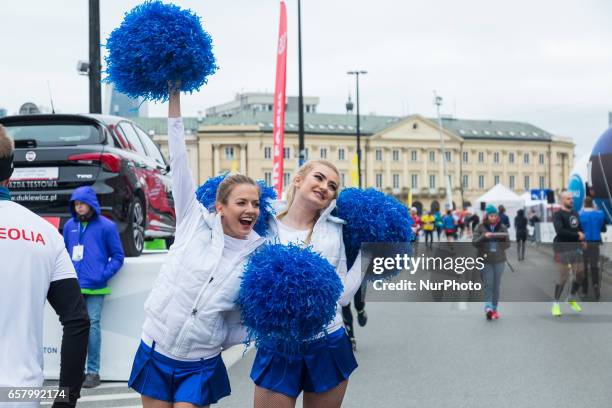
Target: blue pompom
x=157 y=43
x=288 y=296
x=371 y=216
x=207 y=196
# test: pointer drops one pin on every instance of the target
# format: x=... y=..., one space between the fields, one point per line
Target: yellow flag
x=354 y=172
x=235 y=167
x=409 y=198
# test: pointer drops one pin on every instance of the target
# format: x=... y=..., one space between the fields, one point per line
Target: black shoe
x=91 y=381
x=362 y=317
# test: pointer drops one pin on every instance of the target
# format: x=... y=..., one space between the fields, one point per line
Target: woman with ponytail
x=191 y=315
x=322 y=368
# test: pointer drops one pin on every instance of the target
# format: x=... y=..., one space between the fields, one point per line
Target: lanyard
x=81 y=231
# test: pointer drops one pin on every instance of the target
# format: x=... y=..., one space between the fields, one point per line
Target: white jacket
x=191 y=311
x=327 y=240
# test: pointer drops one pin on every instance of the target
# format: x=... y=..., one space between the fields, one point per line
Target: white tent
x=502 y=195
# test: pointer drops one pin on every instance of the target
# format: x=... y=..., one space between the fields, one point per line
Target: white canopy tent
x=502 y=195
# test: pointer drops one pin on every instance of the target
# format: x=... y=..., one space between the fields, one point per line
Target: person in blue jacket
x=593 y=223
x=93 y=244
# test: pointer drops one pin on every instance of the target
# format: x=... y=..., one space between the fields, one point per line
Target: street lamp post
x=447 y=183
x=301 y=148
x=95 y=91
x=357 y=73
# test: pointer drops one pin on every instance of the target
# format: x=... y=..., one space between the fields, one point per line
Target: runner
x=36 y=268
x=450 y=227
x=491 y=239
x=520 y=225
x=428 y=221
x=568 y=245
x=593 y=222
x=190 y=314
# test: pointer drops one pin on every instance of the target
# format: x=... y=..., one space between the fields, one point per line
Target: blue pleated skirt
x=156 y=376
x=325 y=363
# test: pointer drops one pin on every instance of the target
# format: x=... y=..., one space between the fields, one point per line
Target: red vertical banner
x=279 y=103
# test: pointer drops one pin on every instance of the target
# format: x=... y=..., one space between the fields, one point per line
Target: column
x=216 y=159
x=243 y=159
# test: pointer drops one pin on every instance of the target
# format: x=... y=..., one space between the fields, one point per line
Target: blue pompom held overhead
x=157 y=43
x=207 y=195
x=287 y=296
x=372 y=216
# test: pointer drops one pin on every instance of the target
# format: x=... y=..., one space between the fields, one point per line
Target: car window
x=132 y=137
x=151 y=147
x=53 y=134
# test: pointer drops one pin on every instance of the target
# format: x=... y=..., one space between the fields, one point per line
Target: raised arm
x=183 y=186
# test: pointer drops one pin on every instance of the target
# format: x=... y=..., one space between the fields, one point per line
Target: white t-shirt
x=32 y=255
x=287 y=234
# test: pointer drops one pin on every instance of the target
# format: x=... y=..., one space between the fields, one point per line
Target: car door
x=161 y=182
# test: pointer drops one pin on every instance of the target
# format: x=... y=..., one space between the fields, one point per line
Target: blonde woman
x=322 y=370
x=190 y=315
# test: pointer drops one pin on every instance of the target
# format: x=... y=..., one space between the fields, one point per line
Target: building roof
x=494 y=129
x=345 y=124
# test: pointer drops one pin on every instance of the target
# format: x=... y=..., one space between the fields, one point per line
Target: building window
x=496 y=158
x=541 y=159
x=229 y=153
x=378 y=180
x=267 y=152
x=526 y=182
x=396 y=181
x=481 y=182
x=268 y=178
x=395 y=155
x=511 y=182
x=432 y=181
x=526 y=158
x=414 y=180
x=287 y=153
x=449 y=156
x=542 y=182
x=286 y=179
x=465 y=181
x=466 y=157
x=323 y=153
x=343 y=179
x=341 y=154
x=480 y=157
x=511 y=158
x=495 y=179
x=413 y=155
x=432 y=156
x=378 y=154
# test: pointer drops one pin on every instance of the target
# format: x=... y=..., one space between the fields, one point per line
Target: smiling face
x=240 y=210
x=318 y=187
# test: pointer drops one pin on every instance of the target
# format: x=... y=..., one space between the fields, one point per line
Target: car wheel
x=133 y=236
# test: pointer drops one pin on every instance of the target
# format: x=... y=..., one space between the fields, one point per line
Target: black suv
x=54 y=154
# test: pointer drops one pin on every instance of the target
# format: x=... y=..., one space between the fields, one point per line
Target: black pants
x=347 y=314
x=429 y=237
x=520 y=246
x=591 y=261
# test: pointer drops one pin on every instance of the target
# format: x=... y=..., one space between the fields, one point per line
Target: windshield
x=56 y=134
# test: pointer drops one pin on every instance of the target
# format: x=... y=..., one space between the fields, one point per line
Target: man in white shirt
x=35 y=267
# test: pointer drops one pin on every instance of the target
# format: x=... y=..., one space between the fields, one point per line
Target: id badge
x=77 y=252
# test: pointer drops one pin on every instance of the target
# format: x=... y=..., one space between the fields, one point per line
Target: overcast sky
x=546 y=62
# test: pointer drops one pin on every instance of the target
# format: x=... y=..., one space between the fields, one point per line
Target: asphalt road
x=447 y=355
